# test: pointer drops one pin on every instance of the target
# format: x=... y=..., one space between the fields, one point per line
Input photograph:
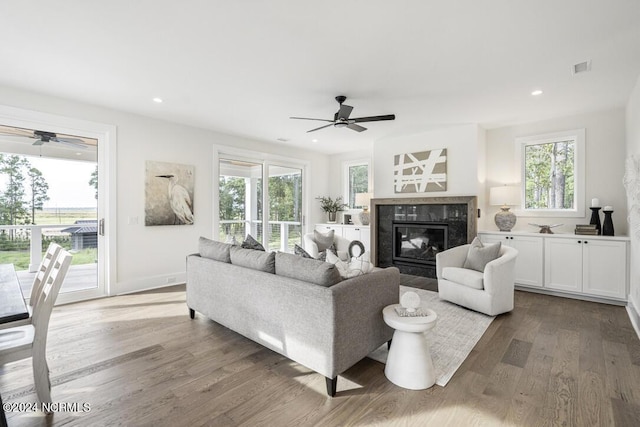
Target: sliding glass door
x=262 y=199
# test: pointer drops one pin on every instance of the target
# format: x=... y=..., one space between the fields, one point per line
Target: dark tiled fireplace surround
x=408 y=232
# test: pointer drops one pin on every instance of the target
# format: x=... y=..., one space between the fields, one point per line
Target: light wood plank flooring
x=139 y=360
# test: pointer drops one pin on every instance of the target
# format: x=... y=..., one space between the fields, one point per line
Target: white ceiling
x=243 y=67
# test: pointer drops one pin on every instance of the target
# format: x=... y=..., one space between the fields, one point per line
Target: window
x=356 y=179
x=552 y=172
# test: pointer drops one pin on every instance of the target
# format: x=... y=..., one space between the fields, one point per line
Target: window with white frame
x=552 y=173
x=356 y=180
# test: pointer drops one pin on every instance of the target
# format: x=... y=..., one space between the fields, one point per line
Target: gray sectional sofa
x=295 y=306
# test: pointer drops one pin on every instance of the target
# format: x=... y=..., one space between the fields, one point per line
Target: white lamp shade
x=363 y=199
x=505 y=195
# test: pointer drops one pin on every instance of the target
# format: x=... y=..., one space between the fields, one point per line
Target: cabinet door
x=365 y=238
x=351 y=233
x=528 y=269
x=605 y=268
x=563 y=264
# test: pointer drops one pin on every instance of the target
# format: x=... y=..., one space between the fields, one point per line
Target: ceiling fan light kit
x=341 y=118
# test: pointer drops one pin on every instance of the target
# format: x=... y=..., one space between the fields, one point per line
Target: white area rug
x=450 y=342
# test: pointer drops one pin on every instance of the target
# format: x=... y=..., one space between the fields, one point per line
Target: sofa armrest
x=453 y=257
x=359 y=325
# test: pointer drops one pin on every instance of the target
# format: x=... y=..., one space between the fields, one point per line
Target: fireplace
x=419 y=242
x=407 y=233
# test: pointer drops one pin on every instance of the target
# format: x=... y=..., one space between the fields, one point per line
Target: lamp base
x=505 y=220
x=364 y=217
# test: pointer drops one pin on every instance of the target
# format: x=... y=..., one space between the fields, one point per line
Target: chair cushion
x=464 y=276
x=323 y=240
x=257 y=260
x=480 y=255
x=214 y=250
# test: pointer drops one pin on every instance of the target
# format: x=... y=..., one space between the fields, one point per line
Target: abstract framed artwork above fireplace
x=409 y=232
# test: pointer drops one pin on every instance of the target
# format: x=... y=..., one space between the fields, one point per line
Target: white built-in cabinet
x=594 y=267
x=348 y=231
x=529 y=264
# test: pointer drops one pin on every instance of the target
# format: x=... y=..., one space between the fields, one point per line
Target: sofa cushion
x=464 y=276
x=251 y=243
x=257 y=260
x=305 y=269
x=214 y=250
x=480 y=255
x=323 y=240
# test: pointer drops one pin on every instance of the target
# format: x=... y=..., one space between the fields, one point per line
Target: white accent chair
x=342 y=246
x=489 y=292
x=41 y=277
x=30 y=340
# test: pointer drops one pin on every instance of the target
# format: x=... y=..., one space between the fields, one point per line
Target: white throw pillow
x=357 y=266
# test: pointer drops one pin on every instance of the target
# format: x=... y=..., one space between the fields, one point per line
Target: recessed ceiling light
x=314 y=140
x=536 y=92
x=283 y=139
x=157 y=100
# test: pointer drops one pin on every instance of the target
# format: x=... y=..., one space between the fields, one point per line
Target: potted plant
x=331 y=207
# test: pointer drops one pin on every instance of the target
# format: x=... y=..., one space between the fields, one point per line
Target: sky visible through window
x=68 y=182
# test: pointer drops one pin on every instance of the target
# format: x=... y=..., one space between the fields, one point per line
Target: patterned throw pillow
x=299 y=250
x=480 y=255
x=356 y=267
x=251 y=243
x=322 y=255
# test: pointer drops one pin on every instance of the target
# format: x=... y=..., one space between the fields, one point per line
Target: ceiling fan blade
x=373 y=118
x=307 y=118
x=344 y=111
x=321 y=127
x=72 y=142
x=356 y=127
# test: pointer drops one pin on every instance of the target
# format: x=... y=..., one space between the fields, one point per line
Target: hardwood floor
x=139 y=360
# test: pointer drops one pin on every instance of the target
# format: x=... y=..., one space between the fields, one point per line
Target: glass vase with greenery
x=331 y=206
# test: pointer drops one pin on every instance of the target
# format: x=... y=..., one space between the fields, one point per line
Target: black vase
x=607 y=226
x=595 y=219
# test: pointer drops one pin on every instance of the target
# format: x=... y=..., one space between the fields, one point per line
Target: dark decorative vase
x=607 y=226
x=595 y=219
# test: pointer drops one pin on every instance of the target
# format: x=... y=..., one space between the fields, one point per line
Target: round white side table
x=409 y=363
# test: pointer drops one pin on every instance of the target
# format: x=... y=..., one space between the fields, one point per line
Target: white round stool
x=409 y=363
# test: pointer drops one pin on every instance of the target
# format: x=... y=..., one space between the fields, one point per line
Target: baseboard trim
x=547 y=291
x=148 y=283
x=634 y=316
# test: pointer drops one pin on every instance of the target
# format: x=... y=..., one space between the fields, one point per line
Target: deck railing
x=290 y=232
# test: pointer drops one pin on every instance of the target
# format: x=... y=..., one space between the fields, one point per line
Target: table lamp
x=505 y=196
x=362 y=199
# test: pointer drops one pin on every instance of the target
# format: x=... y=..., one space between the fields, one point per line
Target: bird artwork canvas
x=169 y=193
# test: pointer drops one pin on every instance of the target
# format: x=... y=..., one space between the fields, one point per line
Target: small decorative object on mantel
x=607 y=226
x=595 y=214
x=331 y=207
x=546 y=229
x=587 y=230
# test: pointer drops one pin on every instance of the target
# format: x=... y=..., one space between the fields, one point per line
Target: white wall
x=633 y=149
x=463 y=143
x=336 y=176
x=151 y=256
x=605 y=155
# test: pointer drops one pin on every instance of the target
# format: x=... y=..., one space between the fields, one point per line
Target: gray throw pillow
x=322 y=255
x=307 y=270
x=215 y=250
x=251 y=243
x=257 y=260
x=323 y=240
x=299 y=250
x=480 y=255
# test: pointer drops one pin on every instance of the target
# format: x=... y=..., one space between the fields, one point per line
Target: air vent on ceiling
x=581 y=67
x=283 y=139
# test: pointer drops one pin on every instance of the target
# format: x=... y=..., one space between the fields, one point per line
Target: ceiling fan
x=41 y=137
x=341 y=118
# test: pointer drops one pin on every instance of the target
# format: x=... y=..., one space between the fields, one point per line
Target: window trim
x=346 y=164
x=578 y=135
